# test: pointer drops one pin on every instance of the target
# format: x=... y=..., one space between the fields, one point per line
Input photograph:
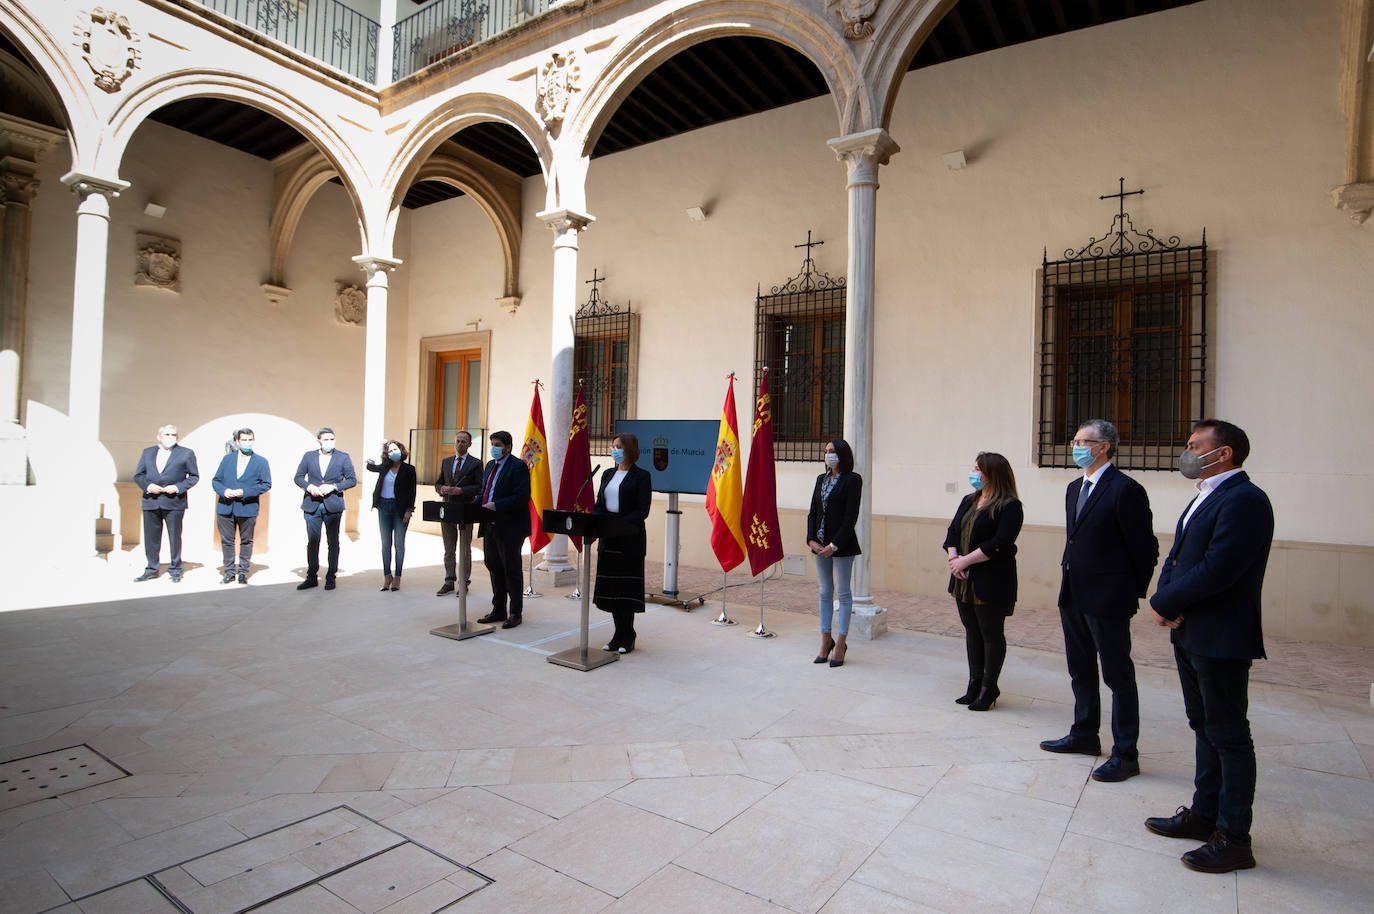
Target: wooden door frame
x=430 y=348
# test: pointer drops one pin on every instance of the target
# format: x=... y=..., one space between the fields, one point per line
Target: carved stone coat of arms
x=109 y=46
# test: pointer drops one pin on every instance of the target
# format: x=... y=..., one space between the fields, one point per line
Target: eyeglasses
x=1077 y=442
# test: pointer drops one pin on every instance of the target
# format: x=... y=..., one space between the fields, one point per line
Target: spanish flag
x=724 y=494
x=535 y=453
x=761 y=488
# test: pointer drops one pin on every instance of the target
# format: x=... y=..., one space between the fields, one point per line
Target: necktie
x=491 y=483
x=1082 y=498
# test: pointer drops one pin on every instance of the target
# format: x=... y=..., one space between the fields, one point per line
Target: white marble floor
x=323 y=752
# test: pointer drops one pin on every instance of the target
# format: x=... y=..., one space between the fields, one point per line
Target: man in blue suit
x=1110 y=552
x=166 y=472
x=1209 y=595
x=241 y=479
x=323 y=474
x=506 y=495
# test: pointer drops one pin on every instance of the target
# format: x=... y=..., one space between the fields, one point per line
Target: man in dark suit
x=166 y=472
x=506 y=494
x=1110 y=552
x=460 y=481
x=1209 y=595
x=242 y=478
x=323 y=474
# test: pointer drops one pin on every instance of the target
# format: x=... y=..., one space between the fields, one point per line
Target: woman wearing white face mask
x=394 y=500
x=625 y=492
x=830 y=535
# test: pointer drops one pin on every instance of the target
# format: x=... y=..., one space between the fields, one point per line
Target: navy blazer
x=841 y=512
x=1110 y=550
x=1215 y=571
x=180 y=471
x=994 y=581
x=340 y=474
x=464 y=472
x=256 y=479
x=402 y=491
x=510 y=518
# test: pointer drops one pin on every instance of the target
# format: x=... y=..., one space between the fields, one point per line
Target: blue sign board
x=678 y=453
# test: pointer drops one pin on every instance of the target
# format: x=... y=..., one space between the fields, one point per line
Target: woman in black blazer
x=831 y=538
x=394 y=500
x=981 y=544
x=626 y=493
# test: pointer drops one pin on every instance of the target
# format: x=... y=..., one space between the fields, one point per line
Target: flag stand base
x=723 y=619
x=762 y=632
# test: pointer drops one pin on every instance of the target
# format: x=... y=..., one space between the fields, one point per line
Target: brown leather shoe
x=1220 y=855
x=1184 y=823
x=445 y=590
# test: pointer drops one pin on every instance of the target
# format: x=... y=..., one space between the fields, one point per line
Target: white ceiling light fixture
x=696 y=214
x=156 y=210
x=955 y=160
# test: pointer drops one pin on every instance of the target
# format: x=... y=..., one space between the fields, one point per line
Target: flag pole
x=762 y=632
x=529 y=592
x=723 y=619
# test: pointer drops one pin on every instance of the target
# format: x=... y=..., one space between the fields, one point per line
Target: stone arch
x=895 y=43
x=172 y=87
x=295 y=184
x=56 y=72
x=802 y=29
x=503 y=211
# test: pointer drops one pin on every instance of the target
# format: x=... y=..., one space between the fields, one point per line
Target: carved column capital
x=862 y=153
x=84 y=185
x=510 y=302
x=376 y=268
x=566 y=225
x=17 y=182
x=1355 y=199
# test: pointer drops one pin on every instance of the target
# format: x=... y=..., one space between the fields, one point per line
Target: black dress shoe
x=1183 y=824
x=228 y=578
x=145 y=576
x=492 y=617
x=307 y=584
x=974 y=687
x=1220 y=855
x=445 y=590
x=243 y=578
x=176 y=577
x=986 y=700
x=1116 y=768
x=1073 y=744
x=328 y=585
x=512 y=622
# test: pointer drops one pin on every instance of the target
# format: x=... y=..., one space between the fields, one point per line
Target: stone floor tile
x=851 y=809
x=428 y=900
x=273 y=845
x=658 y=760
x=329 y=854
x=541 y=765
x=143 y=816
x=712 y=756
x=1285 y=883
x=673 y=890
x=131 y=898
x=296 y=774
x=705 y=802
x=1055 y=780
x=421 y=769
x=310 y=900
x=364 y=771
x=467 y=824
x=58 y=838
x=1100 y=876
x=770 y=760
x=609 y=845
x=1017 y=823
x=80 y=874
x=857 y=898
x=482 y=766
x=389 y=877
x=770 y=857
x=559 y=799
x=599 y=763
x=29 y=892
x=951 y=873
x=1342 y=758
x=248 y=888
x=914 y=779
x=523 y=886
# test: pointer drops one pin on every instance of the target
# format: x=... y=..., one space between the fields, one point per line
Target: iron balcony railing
x=449 y=26
x=326 y=30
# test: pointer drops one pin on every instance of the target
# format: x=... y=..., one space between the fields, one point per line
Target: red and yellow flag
x=761 y=489
x=575 y=493
x=535 y=453
x=724 y=495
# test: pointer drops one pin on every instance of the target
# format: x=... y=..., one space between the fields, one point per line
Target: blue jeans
x=393 y=525
x=833 y=572
x=1216 y=698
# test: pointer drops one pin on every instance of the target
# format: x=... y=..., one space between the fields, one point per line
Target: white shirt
x=324 y=463
x=243 y=462
x=163 y=455
x=1206 y=487
x=613 y=491
x=1092 y=479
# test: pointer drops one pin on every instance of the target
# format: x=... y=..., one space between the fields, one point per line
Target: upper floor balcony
x=346 y=34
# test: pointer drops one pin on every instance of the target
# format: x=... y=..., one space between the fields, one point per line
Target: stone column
x=556 y=570
x=374 y=353
x=862 y=153
x=88 y=298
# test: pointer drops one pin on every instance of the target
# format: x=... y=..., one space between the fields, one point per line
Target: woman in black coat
x=394 y=500
x=831 y=538
x=626 y=493
x=981 y=544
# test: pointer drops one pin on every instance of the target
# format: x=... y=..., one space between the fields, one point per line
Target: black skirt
x=620 y=573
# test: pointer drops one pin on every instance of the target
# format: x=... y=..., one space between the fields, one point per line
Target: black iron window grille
x=1123 y=337
x=799 y=338
x=605 y=355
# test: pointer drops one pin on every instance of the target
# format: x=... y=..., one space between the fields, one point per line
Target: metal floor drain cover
x=52 y=774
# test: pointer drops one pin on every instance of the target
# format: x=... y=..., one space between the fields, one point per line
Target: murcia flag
x=760 y=514
x=723 y=492
x=575 y=492
x=535 y=453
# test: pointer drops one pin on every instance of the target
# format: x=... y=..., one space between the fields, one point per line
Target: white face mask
x=832 y=460
x=168 y=441
x=327 y=446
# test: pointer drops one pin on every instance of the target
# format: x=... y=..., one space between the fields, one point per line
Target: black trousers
x=984 y=640
x=314 y=523
x=153 y=521
x=451 y=538
x=1086 y=638
x=229 y=525
x=502 y=557
x=1216 y=698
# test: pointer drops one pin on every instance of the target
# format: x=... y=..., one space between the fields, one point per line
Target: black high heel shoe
x=840 y=653
x=974 y=687
x=986 y=700
x=825 y=654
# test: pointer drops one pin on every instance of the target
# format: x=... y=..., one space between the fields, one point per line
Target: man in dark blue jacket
x=1209 y=595
x=323 y=474
x=166 y=472
x=242 y=478
x=506 y=496
x=1110 y=551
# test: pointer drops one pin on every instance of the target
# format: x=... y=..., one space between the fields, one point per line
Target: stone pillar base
x=867 y=622
x=550 y=574
x=14 y=455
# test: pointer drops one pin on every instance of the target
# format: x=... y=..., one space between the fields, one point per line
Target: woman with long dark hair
x=981 y=545
x=626 y=493
x=394 y=500
x=831 y=538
